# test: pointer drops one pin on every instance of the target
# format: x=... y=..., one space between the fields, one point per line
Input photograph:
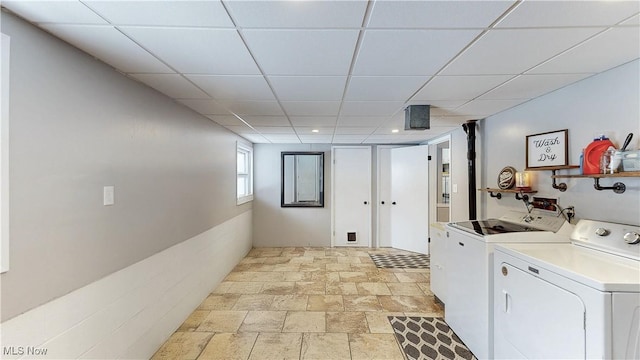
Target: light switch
x=454 y=188
x=109 y=195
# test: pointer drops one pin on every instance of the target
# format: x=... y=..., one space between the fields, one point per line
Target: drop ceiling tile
x=569 y=13
x=297 y=14
x=282 y=139
x=515 y=51
x=234 y=87
x=253 y=107
x=370 y=108
x=436 y=14
x=205 y=107
x=311 y=108
x=371 y=88
x=257 y=120
x=634 y=20
x=210 y=51
x=172 y=85
x=109 y=45
x=355 y=121
x=256 y=138
x=62 y=12
x=409 y=52
x=607 y=50
x=241 y=129
x=349 y=139
x=313 y=121
x=163 y=13
x=274 y=129
x=341 y=130
x=308 y=130
x=487 y=107
x=459 y=87
x=302 y=52
x=226 y=120
x=316 y=139
x=531 y=86
x=308 y=88
x=381 y=139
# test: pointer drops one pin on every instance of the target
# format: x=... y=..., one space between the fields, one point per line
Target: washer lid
x=492 y=227
x=596 y=269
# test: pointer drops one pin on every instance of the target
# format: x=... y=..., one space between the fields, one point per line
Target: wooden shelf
x=497 y=193
x=615 y=175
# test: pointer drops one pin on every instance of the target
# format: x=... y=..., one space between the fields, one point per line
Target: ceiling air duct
x=416 y=117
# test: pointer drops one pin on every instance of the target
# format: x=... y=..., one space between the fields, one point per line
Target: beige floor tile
x=229 y=346
x=290 y=302
x=255 y=276
x=372 y=288
x=286 y=268
x=310 y=287
x=314 y=253
x=325 y=346
x=319 y=276
x=333 y=277
x=347 y=322
x=411 y=277
x=374 y=346
x=342 y=288
x=282 y=346
x=305 y=321
x=353 y=276
x=338 y=267
x=325 y=260
x=364 y=267
x=183 y=346
x=297 y=276
x=243 y=288
x=361 y=303
x=219 y=302
x=263 y=321
x=349 y=260
x=325 y=303
x=313 y=267
x=426 y=288
x=222 y=321
x=278 y=288
x=406 y=303
x=223 y=288
x=410 y=289
x=194 y=320
x=254 y=302
x=277 y=260
x=379 y=322
x=302 y=259
x=385 y=277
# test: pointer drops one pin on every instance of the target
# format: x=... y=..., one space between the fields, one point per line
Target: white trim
x=247 y=148
x=131 y=313
x=4 y=153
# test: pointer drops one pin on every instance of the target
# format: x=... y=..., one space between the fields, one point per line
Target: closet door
x=351 y=195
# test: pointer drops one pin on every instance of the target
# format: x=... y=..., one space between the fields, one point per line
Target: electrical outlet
x=542 y=203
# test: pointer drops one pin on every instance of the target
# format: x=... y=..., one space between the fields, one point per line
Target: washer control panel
x=618 y=239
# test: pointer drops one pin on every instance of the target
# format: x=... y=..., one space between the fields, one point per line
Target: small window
x=244 y=169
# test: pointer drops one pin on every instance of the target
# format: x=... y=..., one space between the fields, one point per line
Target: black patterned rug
x=401 y=261
x=428 y=338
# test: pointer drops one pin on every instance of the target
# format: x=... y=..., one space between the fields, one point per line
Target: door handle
x=393 y=203
x=382 y=202
x=366 y=202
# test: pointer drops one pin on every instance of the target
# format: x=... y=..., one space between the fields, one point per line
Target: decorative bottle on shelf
x=593 y=153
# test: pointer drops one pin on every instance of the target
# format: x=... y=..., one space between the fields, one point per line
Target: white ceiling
x=343 y=71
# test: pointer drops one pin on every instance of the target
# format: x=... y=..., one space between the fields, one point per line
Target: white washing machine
x=469 y=269
x=570 y=301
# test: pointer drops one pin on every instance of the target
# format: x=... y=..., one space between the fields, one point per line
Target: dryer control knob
x=632 y=238
x=602 y=232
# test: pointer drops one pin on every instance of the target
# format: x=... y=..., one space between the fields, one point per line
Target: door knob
x=393 y=203
x=366 y=202
x=382 y=202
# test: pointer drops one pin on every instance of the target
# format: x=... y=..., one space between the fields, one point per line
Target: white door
x=351 y=200
x=384 y=197
x=410 y=198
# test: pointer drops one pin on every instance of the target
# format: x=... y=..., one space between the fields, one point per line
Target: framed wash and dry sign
x=548 y=149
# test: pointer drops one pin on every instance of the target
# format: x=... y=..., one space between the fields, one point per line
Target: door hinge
x=429 y=157
x=429 y=240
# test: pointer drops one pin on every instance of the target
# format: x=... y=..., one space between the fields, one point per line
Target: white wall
x=77 y=125
x=277 y=226
x=607 y=102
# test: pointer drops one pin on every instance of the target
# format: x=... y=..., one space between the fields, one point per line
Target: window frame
x=247 y=151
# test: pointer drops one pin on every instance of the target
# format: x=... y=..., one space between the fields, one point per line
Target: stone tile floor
x=304 y=303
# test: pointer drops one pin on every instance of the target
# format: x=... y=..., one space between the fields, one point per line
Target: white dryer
x=570 y=301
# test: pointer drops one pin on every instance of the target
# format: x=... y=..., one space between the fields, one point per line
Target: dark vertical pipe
x=470 y=128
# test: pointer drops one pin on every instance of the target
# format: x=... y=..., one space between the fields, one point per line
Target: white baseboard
x=130 y=313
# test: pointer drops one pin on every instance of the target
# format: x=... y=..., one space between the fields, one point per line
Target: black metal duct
x=470 y=128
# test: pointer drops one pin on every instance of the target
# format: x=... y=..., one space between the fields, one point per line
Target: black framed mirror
x=302 y=179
